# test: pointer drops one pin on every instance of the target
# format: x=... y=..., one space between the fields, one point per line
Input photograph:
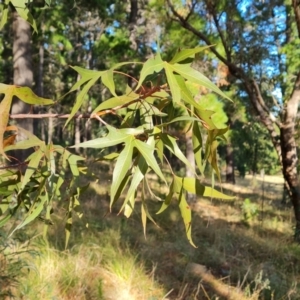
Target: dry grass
x=112 y=260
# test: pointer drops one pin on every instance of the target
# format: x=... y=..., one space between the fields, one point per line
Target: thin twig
x=58 y=116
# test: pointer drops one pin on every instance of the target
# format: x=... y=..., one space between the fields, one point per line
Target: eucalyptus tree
x=257 y=41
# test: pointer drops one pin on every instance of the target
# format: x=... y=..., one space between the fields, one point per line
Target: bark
x=132 y=24
x=23 y=75
x=284 y=143
x=289 y=151
x=39 y=126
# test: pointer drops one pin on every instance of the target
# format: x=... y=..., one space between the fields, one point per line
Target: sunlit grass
x=111 y=259
x=96 y=267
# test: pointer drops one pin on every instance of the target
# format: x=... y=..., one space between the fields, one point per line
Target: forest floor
x=245 y=250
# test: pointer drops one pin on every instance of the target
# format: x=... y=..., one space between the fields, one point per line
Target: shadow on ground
x=248 y=256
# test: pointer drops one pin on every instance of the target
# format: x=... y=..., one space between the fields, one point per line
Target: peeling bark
x=289 y=151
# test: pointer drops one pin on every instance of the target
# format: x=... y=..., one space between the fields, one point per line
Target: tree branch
x=296 y=7
x=216 y=20
x=291 y=107
x=265 y=118
x=251 y=86
x=234 y=70
x=57 y=116
x=262 y=103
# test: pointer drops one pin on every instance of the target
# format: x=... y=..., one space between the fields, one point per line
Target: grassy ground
x=245 y=251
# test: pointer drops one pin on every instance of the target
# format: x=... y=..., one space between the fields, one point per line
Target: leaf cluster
x=136 y=144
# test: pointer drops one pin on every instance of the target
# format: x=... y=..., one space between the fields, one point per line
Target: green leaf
x=160 y=150
x=4 y=14
x=86 y=75
x=4 y=117
x=108 y=81
x=110 y=156
x=121 y=188
x=192 y=185
x=186 y=215
x=69 y=222
x=138 y=175
x=61 y=179
x=193 y=75
x=122 y=166
x=73 y=204
x=213 y=134
x=73 y=159
x=148 y=153
x=116 y=102
x=151 y=66
x=146 y=183
x=171 y=144
x=129 y=206
x=144 y=211
x=173 y=84
x=203 y=114
x=32 y=141
x=144 y=217
x=5 y=219
x=187 y=53
x=213 y=158
x=198 y=147
x=114 y=137
x=179 y=119
x=168 y=198
x=80 y=98
x=34 y=160
x=25 y=94
x=34 y=210
x=23 y=11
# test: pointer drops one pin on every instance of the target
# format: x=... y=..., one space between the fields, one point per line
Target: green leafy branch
x=142 y=137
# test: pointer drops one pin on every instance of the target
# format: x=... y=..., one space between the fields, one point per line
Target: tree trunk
x=230 y=178
x=289 y=152
x=50 y=130
x=132 y=24
x=23 y=75
x=254 y=162
x=284 y=143
x=39 y=125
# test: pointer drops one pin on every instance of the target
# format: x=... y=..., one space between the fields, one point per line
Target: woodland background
x=245 y=246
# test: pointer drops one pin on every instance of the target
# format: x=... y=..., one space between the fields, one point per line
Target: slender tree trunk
x=254 y=162
x=77 y=134
x=39 y=125
x=50 y=130
x=191 y=198
x=132 y=24
x=230 y=178
x=289 y=152
x=23 y=75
